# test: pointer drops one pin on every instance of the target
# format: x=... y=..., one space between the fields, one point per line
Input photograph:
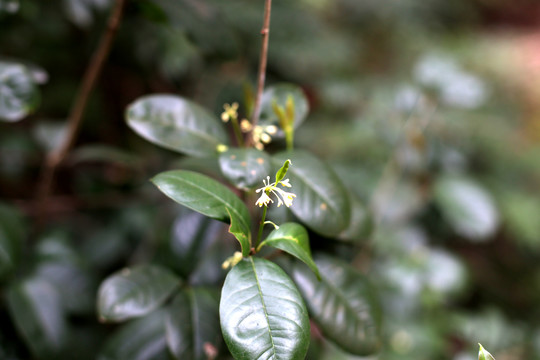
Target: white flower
x=282 y=196
x=264 y=200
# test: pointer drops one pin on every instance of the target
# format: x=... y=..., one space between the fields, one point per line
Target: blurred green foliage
x=417 y=105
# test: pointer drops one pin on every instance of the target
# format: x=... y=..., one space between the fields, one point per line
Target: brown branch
x=56 y=157
x=265 y=33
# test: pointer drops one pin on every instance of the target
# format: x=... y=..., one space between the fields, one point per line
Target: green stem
x=289 y=137
x=261 y=226
x=237 y=132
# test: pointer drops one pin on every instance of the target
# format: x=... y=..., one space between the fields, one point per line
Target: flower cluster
x=281 y=195
x=262 y=135
x=231 y=112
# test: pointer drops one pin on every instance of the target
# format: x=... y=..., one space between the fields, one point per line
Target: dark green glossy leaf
x=321 y=201
x=262 y=314
x=466 y=206
x=176 y=124
x=18 y=93
x=36 y=308
x=140 y=339
x=361 y=224
x=11 y=238
x=209 y=197
x=245 y=168
x=135 y=292
x=342 y=303
x=238 y=229
x=279 y=93
x=293 y=239
x=192 y=324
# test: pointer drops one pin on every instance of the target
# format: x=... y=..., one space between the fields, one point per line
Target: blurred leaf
x=343 y=304
x=192 y=324
x=106 y=247
x=135 y=292
x=321 y=200
x=81 y=12
x=103 y=153
x=199 y=20
x=209 y=270
x=9 y=6
x=49 y=134
x=293 y=239
x=361 y=224
x=11 y=238
x=176 y=124
x=18 y=93
x=36 y=308
x=279 y=93
x=262 y=314
x=192 y=235
x=60 y=265
x=521 y=212
x=140 y=339
x=209 y=197
x=245 y=168
x=73 y=282
x=466 y=206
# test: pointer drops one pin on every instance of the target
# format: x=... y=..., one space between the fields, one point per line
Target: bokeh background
x=429 y=109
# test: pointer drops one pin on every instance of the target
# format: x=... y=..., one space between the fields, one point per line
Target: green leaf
x=36 y=309
x=209 y=197
x=283 y=171
x=245 y=168
x=176 y=124
x=321 y=201
x=293 y=239
x=361 y=224
x=192 y=324
x=238 y=229
x=262 y=314
x=483 y=354
x=11 y=239
x=140 y=339
x=278 y=95
x=19 y=95
x=135 y=292
x=343 y=305
x=466 y=206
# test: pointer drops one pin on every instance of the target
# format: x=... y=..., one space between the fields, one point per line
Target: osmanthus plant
x=262 y=307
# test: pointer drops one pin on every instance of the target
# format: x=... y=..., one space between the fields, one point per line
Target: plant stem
x=56 y=157
x=265 y=33
x=289 y=137
x=237 y=132
x=261 y=226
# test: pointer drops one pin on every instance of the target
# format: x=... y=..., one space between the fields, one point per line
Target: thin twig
x=56 y=157
x=265 y=33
